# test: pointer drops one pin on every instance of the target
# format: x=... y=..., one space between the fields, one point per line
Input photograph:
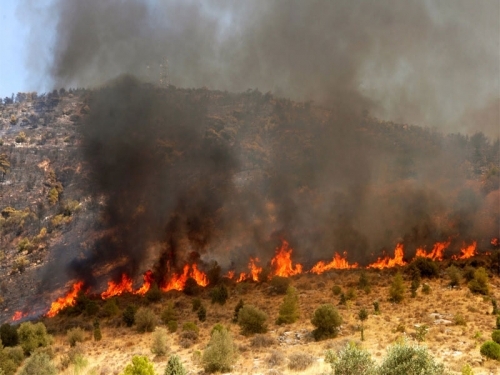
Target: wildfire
x=466 y=252
x=116 y=289
x=495 y=241
x=18 y=315
x=387 y=262
x=178 y=281
x=282 y=262
x=338 y=263
x=148 y=281
x=68 y=300
x=437 y=252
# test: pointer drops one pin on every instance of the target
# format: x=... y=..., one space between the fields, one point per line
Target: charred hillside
x=131 y=177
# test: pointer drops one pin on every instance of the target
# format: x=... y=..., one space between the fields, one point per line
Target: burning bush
x=252 y=320
x=327 y=321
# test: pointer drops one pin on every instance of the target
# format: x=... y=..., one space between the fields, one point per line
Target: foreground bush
x=39 y=364
x=220 y=353
x=159 y=346
x=75 y=335
x=351 y=360
x=289 y=309
x=327 y=321
x=141 y=365
x=174 y=366
x=10 y=359
x=252 y=320
x=406 y=359
x=491 y=350
x=145 y=320
x=32 y=336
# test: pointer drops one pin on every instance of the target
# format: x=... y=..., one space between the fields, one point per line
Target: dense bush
x=279 y=284
x=220 y=353
x=145 y=320
x=202 y=313
x=174 y=366
x=397 y=289
x=140 y=365
x=39 y=364
x=32 y=336
x=75 y=335
x=498 y=322
x=219 y=294
x=110 y=308
x=495 y=335
x=252 y=320
x=406 y=359
x=214 y=273
x=491 y=350
x=168 y=314
x=351 y=360
x=300 y=361
x=8 y=335
x=159 y=345
x=154 y=293
x=479 y=284
x=195 y=303
x=172 y=326
x=327 y=321
x=191 y=287
x=427 y=267
x=129 y=315
x=10 y=359
x=289 y=309
x=454 y=275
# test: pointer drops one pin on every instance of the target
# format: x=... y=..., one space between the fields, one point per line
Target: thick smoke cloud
x=174 y=187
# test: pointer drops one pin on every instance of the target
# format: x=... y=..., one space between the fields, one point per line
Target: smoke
x=181 y=176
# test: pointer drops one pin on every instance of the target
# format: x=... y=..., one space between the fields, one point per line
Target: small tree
x=252 y=320
x=141 y=365
x=362 y=315
x=220 y=353
x=168 y=314
x=289 y=309
x=327 y=321
x=174 y=366
x=397 y=289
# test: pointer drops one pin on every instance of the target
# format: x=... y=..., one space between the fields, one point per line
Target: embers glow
x=437 y=252
x=387 y=262
x=148 y=281
x=466 y=252
x=178 y=281
x=495 y=241
x=116 y=289
x=68 y=300
x=282 y=262
x=18 y=315
x=338 y=263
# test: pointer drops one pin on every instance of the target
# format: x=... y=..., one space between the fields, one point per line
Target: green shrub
x=145 y=320
x=252 y=320
x=129 y=315
x=289 y=309
x=300 y=361
x=405 y=359
x=495 y=335
x=8 y=335
x=494 y=304
x=196 y=303
x=237 y=309
x=364 y=282
x=221 y=353
x=174 y=366
x=327 y=321
x=53 y=197
x=110 y=308
x=279 y=284
x=172 y=326
x=190 y=327
x=426 y=266
x=168 y=314
x=141 y=365
x=154 y=293
x=351 y=360
x=491 y=350
x=479 y=284
x=75 y=335
x=159 y=345
x=336 y=290
x=202 y=313
x=415 y=283
x=219 y=294
x=39 y=364
x=397 y=289
x=454 y=275
x=32 y=336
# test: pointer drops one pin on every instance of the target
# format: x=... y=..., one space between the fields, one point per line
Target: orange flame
x=18 y=315
x=116 y=289
x=387 y=262
x=254 y=269
x=148 y=281
x=466 y=252
x=242 y=277
x=178 y=281
x=230 y=275
x=437 y=252
x=68 y=300
x=282 y=262
x=495 y=241
x=338 y=263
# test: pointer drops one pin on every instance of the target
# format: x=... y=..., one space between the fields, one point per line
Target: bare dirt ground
x=451 y=343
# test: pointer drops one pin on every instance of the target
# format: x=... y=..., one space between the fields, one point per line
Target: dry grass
x=452 y=343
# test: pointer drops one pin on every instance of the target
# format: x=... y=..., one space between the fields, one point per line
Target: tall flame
x=437 y=252
x=338 y=263
x=148 y=281
x=387 y=262
x=178 y=281
x=466 y=252
x=116 y=289
x=18 y=315
x=282 y=262
x=68 y=300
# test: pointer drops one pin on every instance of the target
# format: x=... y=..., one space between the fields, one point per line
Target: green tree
x=327 y=320
x=252 y=320
x=174 y=366
x=221 y=353
x=289 y=309
x=351 y=360
x=397 y=289
x=32 y=336
x=141 y=365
